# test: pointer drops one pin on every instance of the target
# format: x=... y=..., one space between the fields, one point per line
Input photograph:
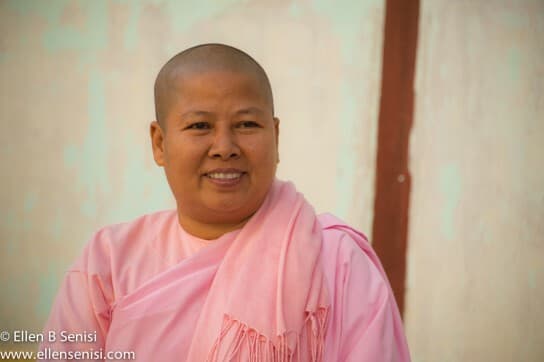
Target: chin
x=231 y=211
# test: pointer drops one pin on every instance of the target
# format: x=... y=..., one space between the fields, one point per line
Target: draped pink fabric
x=268 y=293
x=149 y=287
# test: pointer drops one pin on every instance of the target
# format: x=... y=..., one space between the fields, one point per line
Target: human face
x=218 y=146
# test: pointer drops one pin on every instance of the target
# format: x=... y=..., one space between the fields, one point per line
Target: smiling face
x=218 y=145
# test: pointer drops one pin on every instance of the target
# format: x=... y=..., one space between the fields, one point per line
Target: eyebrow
x=195 y=113
x=248 y=110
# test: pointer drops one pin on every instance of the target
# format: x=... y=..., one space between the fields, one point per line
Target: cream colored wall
x=76 y=99
x=476 y=236
x=76 y=83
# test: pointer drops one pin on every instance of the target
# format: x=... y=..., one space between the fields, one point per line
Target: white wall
x=476 y=235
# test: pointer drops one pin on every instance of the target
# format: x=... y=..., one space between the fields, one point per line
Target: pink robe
x=113 y=295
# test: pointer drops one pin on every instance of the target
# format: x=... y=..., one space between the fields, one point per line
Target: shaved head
x=201 y=59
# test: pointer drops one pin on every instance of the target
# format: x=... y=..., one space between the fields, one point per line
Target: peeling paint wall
x=76 y=99
x=476 y=244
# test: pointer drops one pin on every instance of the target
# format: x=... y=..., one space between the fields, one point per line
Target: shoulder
x=364 y=320
x=348 y=259
x=126 y=238
x=142 y=226
x=343 y=241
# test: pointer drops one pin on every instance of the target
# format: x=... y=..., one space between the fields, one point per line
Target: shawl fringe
x=236 y=339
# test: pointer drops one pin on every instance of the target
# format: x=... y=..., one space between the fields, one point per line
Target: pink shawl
x=268 y=300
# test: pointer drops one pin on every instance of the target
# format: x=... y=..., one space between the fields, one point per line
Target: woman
x=243 y=270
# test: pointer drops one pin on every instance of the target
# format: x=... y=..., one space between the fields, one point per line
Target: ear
x=157 y=142
x=277 y=129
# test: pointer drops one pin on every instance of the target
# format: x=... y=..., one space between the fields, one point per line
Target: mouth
x=225 y=177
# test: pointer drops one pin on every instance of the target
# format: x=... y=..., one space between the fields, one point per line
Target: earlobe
x=277 y=129
x=157 y=145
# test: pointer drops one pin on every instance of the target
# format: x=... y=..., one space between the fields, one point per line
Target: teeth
x=224 y=176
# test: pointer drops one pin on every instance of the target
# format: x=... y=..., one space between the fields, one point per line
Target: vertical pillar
x=393 y=181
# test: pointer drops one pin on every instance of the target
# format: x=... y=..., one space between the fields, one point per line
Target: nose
x=224 y=145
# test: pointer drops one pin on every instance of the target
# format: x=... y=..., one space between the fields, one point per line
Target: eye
x=199 y=125
x=248 y=124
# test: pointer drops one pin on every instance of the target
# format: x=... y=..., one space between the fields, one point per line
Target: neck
x=208 y=231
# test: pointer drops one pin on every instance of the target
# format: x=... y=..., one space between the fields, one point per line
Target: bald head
x=201 y=59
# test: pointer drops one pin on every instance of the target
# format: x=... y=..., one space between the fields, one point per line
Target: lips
x=224 y=176
x=224 y=173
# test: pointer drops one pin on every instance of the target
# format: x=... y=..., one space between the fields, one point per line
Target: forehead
x=216 y=84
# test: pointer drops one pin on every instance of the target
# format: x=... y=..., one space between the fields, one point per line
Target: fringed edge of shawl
x=260 y=348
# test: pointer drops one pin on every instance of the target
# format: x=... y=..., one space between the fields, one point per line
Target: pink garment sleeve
x=372 y=329
x=80 y=316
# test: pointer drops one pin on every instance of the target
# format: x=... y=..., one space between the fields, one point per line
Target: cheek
x=262 y=153
x=184 y=154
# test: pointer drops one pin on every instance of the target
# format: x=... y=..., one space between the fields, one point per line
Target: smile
x=227 y=178
x=224 y=176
